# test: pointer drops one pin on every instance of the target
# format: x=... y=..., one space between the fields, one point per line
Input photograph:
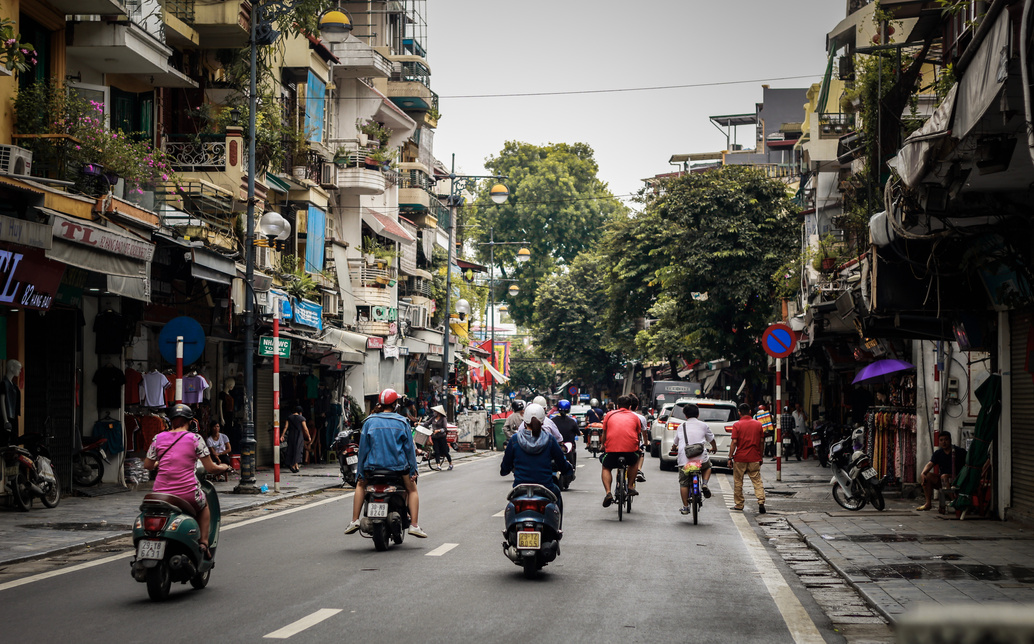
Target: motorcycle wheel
x=200 y=580
x=380 y=536
x=847 y=504
x=87 y=469
x=398 y=536
x=876 y=497
x=22 y=493
x=52 y=496
x=159 y=581
x=531 y=567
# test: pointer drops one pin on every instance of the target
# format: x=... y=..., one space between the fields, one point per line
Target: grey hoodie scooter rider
x=533 y=455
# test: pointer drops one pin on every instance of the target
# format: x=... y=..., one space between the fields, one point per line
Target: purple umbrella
x=881 y=368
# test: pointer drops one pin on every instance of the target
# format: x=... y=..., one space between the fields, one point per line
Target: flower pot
x=829 y=263
x=298 y=172
x=370 y=259
x=371 y=163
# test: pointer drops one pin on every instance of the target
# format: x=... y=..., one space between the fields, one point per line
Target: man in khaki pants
x=746 y=454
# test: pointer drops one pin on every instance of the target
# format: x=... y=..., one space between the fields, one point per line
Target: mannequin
x=225 y=407
x=10 y=399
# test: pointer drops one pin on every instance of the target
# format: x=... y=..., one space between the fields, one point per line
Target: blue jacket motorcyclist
x=533 y=455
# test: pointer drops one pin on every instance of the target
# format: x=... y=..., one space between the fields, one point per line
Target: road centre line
x=306 y=622
x=799 y=623
x=441 y=550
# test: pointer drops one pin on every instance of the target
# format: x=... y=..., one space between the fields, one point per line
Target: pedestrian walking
x=439 y=436
x=745 y=452
x=800 y=427
x=295 y=436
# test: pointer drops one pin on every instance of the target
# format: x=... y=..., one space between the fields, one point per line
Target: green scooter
x=166 y=540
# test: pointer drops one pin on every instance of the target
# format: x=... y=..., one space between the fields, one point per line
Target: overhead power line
x=633 y=89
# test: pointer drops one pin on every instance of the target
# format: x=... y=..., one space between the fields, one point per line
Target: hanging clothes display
x=133 y=378
x=109 y=380
x=152 y=389
x=194 y=387
x=110 y=429
x=890 y=437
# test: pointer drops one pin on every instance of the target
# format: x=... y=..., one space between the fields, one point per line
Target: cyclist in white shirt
x=693 y=431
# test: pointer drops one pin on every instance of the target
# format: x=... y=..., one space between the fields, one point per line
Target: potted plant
x=828 y=255
x=298 y=149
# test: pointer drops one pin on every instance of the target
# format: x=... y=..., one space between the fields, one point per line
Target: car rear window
x=708 y=413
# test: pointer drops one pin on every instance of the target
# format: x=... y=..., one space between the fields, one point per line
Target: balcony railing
x=417 y=286
x=412 y=71
x=835 y=124
x=364 y=275
x=182 y=9
x=192 y=156
x=415 y=179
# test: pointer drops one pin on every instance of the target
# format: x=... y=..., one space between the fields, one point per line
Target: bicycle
x=431 y=457
x=696 y=499
x=621 y=494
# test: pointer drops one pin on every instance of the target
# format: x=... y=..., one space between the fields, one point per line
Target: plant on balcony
x=15 y=55
x=383 y=156
x=374 y=131
x=381 y=254
x=829 y=254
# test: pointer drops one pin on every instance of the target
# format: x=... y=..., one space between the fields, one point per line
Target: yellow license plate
x=529 y=540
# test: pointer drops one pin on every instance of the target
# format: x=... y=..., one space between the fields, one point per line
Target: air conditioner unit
x=328 y=175
x=15 y=160
x=418 y=317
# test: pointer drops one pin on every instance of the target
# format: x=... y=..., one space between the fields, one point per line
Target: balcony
x=408 y=85
x=359 y=60
x=357 y=172
x=89 y=7
x=835 y=125
x=219 y=24
x=215 y=160
x=415 y=188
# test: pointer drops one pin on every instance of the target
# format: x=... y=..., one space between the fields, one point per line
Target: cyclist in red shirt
x=745 y=453
x=621 y=437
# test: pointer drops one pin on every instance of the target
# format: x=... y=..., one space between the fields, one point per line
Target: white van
x=719 y=415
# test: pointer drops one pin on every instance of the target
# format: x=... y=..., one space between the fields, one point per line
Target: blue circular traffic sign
x=193 y=339
x=779 y=341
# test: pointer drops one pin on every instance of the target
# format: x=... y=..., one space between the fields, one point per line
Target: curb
x=813 y=541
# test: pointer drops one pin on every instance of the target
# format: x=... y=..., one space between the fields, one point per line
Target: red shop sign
x=27 y=278
x=374 y=343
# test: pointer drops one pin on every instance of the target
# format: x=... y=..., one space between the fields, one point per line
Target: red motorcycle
x=593 y=441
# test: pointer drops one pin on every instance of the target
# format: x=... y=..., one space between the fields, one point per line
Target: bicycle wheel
x=620 y=492
x=628 y=504
x=696 y=505
x=433 y=462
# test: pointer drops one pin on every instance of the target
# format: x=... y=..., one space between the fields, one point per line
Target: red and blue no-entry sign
x=779 y=341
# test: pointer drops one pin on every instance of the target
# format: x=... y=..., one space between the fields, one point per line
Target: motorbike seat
x=171 y=499
x=384 y=474
x=528 y=489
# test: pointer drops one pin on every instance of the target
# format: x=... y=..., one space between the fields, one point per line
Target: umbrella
x=881 y=368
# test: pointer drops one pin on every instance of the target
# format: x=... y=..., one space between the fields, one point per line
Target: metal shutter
x=264 y=416
x=1022 y=389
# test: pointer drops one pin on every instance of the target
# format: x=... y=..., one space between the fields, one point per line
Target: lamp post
x=262 y=33
x=499 y=194
x=523 y=255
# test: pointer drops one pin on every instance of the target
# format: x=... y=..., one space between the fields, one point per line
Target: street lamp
x=262 y=33
x=513 y=290
x=499 y=194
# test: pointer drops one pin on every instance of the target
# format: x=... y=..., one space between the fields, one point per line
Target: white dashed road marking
x=501 y=513
x=441 y=550
x=303 y=623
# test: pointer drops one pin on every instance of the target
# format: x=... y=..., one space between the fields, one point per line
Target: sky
x=512 y=48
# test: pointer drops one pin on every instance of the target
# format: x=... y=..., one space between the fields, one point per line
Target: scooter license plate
x=377 y=510
x=351 y=460
x=816 y=442
x=870 y=473
x=150 y=549
x=529 y=540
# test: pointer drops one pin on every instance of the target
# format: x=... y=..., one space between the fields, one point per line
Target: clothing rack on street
x=890 y=437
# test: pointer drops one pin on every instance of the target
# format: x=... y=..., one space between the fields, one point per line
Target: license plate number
x=377 y=510
x=351 y=460
x=150 y=549
x=870 y=473
x=816 y=442
x=529 y=540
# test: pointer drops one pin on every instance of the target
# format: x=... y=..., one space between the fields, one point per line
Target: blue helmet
x=564 y=406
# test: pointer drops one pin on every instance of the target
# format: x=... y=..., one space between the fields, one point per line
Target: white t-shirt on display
x=693 y=430
x=152 y=389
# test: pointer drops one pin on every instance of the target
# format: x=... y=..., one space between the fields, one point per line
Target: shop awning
x=984 y=78
x=476 y=365
x=212 y=266
x=915 y=157
x=344 y=281
x=416 y=272
x=417 y=346
x=124 y=258
x=387 y=227
x=499 y=377
x=351 y=346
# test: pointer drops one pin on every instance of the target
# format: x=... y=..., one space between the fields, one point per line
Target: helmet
x=388 y=397
x=564 y=406
x=534 y=410
x=180 y=410
x=594 y=403
x=518 y=405
x=540 y=400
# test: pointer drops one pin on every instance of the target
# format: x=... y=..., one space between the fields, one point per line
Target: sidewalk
x=900 y=558
x=89 y=521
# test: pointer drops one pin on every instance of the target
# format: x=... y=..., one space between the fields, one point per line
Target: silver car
x=657 y=429
x=719 y=415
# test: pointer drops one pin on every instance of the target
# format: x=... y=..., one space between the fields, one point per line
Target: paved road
x=653 y=577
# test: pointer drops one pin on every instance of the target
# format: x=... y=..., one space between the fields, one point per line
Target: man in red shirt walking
x=621 y=437
x=745 y=452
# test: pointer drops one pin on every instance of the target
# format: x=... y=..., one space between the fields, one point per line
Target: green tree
x=568 y=322
x=528 y=368
x=557 y=203
x=725 y=234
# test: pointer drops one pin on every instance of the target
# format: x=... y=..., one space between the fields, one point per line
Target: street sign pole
x=779 y=341
x=179 y=369
x=276 y=398
x=779 y=419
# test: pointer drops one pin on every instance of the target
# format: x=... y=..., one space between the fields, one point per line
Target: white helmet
x=540 y=400
x=594 y=403
x=534 y=410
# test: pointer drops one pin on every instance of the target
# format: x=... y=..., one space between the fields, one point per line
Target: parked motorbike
x=532 y=533
x=346 y=446
x=166 y=539
x=28 y=473
x=825 y=434
x=88 y=462
x=572 y=458
x=385 y=516
x=593 y=444
x=855 y=482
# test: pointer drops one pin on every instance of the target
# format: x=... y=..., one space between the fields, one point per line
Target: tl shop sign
x=29 y=279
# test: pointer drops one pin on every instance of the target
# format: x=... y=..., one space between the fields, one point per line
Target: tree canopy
x=556 y=203
x=698 y=261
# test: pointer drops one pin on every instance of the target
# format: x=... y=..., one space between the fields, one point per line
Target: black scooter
x=385 y=516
